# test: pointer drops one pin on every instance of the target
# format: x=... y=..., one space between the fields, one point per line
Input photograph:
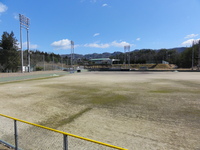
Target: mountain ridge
x=107 y=54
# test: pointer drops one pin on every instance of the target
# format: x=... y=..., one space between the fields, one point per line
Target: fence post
x=16 y=135
x=65 y=142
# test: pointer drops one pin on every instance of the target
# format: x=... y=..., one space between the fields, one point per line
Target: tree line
x=183 y=59
x=10 y=56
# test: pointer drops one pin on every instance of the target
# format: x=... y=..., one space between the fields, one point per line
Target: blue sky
x=98 y=26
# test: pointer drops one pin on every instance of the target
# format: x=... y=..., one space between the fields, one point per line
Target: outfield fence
x=19 y=134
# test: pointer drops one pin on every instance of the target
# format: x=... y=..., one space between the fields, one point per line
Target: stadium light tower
x=199 y=56
x=127 y=55
x=24 y=23
x=72 y=52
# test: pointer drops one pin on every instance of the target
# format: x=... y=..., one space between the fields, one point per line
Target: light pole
x=24 y=23
x=193 y=57
x=43 y=62
x=199 y=56
x=72 y=52
x=29 y=54
x=127 y=55
x=62 y=63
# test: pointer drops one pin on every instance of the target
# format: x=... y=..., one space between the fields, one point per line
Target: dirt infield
x=135 y=110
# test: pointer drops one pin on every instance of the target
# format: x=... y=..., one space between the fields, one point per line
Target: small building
x=104 y=61
x=165 y=62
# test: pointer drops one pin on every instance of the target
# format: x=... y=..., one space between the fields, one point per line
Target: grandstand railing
x=19 y=134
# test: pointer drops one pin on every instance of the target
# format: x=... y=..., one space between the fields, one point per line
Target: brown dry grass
x=129 y=109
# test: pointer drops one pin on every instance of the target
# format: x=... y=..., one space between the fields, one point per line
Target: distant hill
x=107 y=55
x=94 y=55
x=179 y=49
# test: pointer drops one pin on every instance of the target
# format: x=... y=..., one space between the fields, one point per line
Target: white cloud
x=3 y=7
x=189 y=42
x=107 y=45
x=104 y=5
x=95 y=45
x=138 y=39
x=31 y=46
x=121 y=44
x=96 y=34
x=191 y=36
x=91 y=1
x=62 y=44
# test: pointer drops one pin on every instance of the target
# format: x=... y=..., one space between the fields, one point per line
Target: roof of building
x=100 y=59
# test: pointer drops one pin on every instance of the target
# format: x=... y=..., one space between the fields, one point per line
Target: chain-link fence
x=20 y=134
x=10 y=61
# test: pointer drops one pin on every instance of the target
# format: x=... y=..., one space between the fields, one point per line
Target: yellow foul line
x=79 y=137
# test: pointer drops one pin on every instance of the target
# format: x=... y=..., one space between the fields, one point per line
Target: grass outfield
x=134 y=110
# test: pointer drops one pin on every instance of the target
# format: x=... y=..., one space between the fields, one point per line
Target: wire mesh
x=31 y=137
x=10 y=61
x=75 y=143
x=7 y=130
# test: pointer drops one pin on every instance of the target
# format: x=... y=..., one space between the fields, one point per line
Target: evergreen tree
x=9 y=56
x=186 y=56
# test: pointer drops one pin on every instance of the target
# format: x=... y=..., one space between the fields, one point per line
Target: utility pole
x=53 y=67
x=199 y=56
x=44 y=62
x=129 y=57
x=62 y=62
x=193 y=57
x=67 y=62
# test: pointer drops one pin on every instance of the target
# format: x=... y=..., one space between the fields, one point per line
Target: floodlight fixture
x=24 y=21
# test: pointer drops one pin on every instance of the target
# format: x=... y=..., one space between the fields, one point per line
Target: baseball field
x=134 y=110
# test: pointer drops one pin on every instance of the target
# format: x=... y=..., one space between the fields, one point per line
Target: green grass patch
x=95 y=95
x=60 y=119
x=20 y=95
x=190 y=84
x=161 y=91
x=107 y=98
x=191 y=111
x=29 y=79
